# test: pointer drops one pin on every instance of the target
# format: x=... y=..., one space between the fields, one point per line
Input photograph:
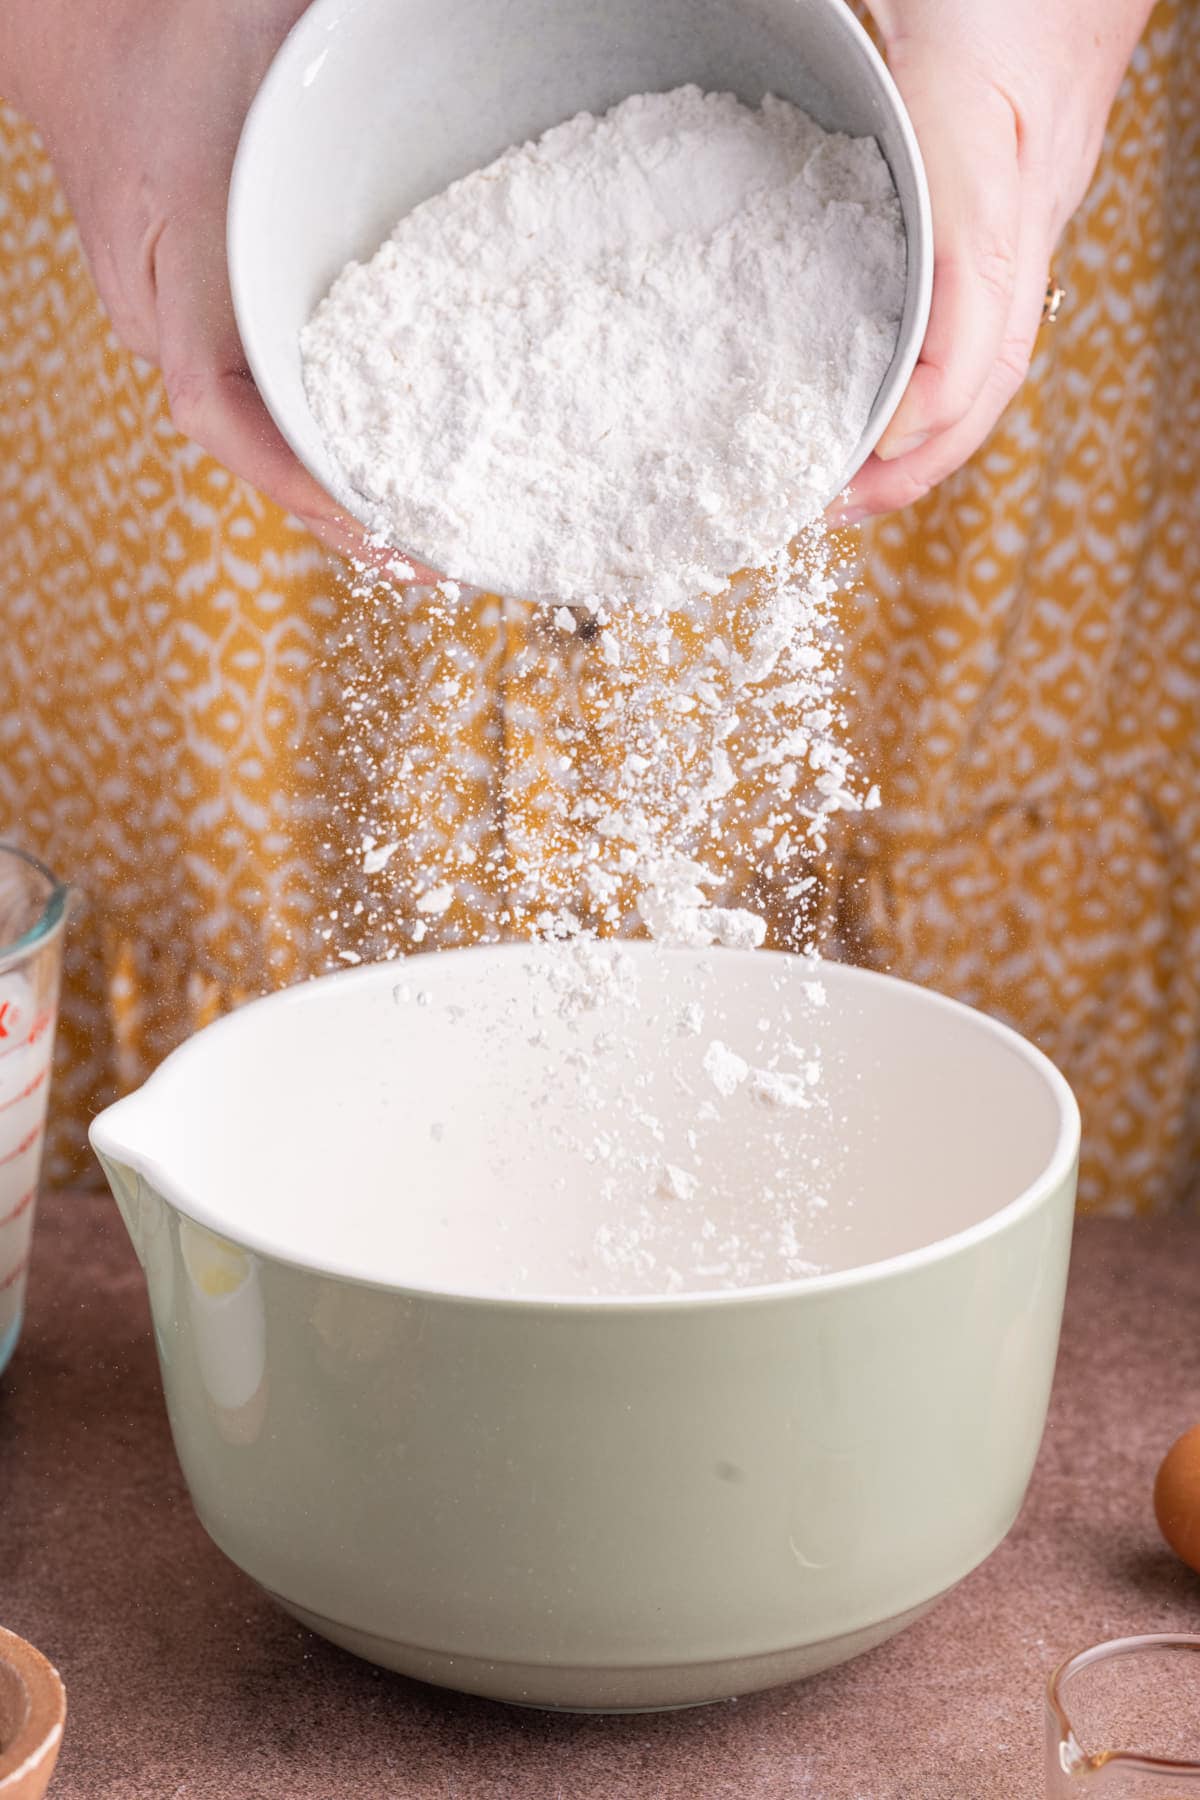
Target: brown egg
x=1177 y=1497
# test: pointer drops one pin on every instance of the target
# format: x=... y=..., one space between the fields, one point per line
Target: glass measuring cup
x=1123 y=1721
x=33 y=910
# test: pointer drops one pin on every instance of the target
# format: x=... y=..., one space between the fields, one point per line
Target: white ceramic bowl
x=368 y=1220
x=372 y=106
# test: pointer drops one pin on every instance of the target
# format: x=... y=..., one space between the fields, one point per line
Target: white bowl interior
x=372 y=106
x=460 y=1122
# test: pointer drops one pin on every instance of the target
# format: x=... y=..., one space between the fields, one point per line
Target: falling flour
x=623 y=361
x=613 y=369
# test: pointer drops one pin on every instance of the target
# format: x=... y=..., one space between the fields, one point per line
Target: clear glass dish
x=33 y=911
x=1123 y=1721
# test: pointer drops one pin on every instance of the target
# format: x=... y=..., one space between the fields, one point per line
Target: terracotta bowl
x=33 y=1706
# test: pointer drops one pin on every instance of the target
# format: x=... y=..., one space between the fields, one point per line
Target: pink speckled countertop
x=184 y=1683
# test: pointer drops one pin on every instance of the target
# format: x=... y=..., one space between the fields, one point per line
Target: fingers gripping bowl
x=371 y=108
x=414 y=1403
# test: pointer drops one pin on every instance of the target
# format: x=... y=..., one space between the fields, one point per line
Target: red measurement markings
x=26 y=1143
x=23 y=1203
x=14 y=1274
x=41 y=1025
x=25 y=1092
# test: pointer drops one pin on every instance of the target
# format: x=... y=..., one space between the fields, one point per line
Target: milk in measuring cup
x=26 y=1040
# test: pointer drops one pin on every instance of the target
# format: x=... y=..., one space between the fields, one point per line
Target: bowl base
x=8 y=1341
x=658 y=1687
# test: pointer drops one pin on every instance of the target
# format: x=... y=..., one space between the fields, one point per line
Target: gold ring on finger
x=1052 y=304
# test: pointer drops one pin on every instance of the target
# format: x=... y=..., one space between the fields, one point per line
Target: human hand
x=141 y=103
x=1009 y=103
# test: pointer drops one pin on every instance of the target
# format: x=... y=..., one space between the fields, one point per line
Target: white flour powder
x=621 y=362
x=614 y=368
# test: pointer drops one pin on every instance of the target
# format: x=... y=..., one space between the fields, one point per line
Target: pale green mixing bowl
x=429 y=1393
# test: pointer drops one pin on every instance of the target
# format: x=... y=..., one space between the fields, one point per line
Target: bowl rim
x=1057 y=1172
x=301 y=51
x=50 y=921
x=39 y=1734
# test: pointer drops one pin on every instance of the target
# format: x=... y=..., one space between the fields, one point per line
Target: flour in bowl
x=624 y=361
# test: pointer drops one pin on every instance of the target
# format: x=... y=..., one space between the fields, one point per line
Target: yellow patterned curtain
x=179 y=665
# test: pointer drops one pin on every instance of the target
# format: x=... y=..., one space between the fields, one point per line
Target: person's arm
x=1009 y=99
x=140 y=104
